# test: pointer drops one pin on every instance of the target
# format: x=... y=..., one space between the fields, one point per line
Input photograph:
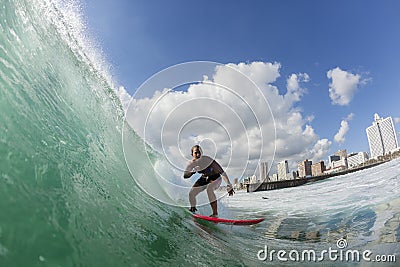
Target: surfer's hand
x=230 y=190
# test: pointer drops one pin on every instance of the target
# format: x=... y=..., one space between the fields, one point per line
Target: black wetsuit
x=206 y=177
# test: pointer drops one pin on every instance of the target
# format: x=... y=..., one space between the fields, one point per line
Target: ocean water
x=67 y=197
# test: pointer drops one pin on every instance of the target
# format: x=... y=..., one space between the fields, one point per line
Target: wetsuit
x=207 y=177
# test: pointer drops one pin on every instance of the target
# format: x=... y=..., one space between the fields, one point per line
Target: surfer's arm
x=226 y=179
x=218 y=169
x=229 y=186
x=221 y=171
x=189 y=170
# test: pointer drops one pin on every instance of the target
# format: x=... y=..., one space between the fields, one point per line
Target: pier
x=275 y=185
x=301 y=181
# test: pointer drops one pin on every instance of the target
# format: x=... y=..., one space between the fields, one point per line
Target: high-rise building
x=381 y=136
x=263 y=168
x=304 y=168
x=283 y=170
x=318 y=168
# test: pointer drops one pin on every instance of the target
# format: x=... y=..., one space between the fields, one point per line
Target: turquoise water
x=68 y=199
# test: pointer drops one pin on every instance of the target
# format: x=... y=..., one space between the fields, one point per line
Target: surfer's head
x=196 y=151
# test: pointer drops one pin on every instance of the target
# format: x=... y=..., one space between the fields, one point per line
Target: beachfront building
x=339 y=164
x=304 y=168
x=356 y=159
x=341 y=153
x=283 y=170
x=318 y=168
x=333 y=158
x=253 y=179
x=381 y=136
x=263 y=168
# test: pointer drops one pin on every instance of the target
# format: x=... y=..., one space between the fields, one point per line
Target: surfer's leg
x=213 y=199
x=192 y=196
x=214 y=208
x=198 y=186
x=211 y=195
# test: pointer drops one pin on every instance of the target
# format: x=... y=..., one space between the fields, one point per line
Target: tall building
x=381 y=136
x=304 y=168
x=263 y=168
x=283 y=170
x=318 y=168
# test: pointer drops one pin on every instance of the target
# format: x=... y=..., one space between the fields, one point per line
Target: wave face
x=66 y=195
x=68 y=199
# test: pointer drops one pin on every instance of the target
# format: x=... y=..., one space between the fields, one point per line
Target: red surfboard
x=227 y=221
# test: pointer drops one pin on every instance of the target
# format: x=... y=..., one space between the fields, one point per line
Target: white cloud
x=294 y=90
x=350 y=117
x=231 y=120
x=340 y=136
x=343 y=86
x=396 y=120
x=310 y=118
x=320 y=150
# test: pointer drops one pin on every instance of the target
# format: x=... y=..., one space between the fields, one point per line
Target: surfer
x=210 y=179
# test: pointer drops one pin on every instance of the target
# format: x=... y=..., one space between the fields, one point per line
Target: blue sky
x=362 y=38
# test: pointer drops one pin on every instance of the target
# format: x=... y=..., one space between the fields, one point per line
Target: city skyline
x=382 y=141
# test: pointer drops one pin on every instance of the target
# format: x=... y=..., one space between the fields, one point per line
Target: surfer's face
x=196 y=153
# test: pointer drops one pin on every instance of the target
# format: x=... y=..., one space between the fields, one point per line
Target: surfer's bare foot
x=193 y=209
x=214 y=216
